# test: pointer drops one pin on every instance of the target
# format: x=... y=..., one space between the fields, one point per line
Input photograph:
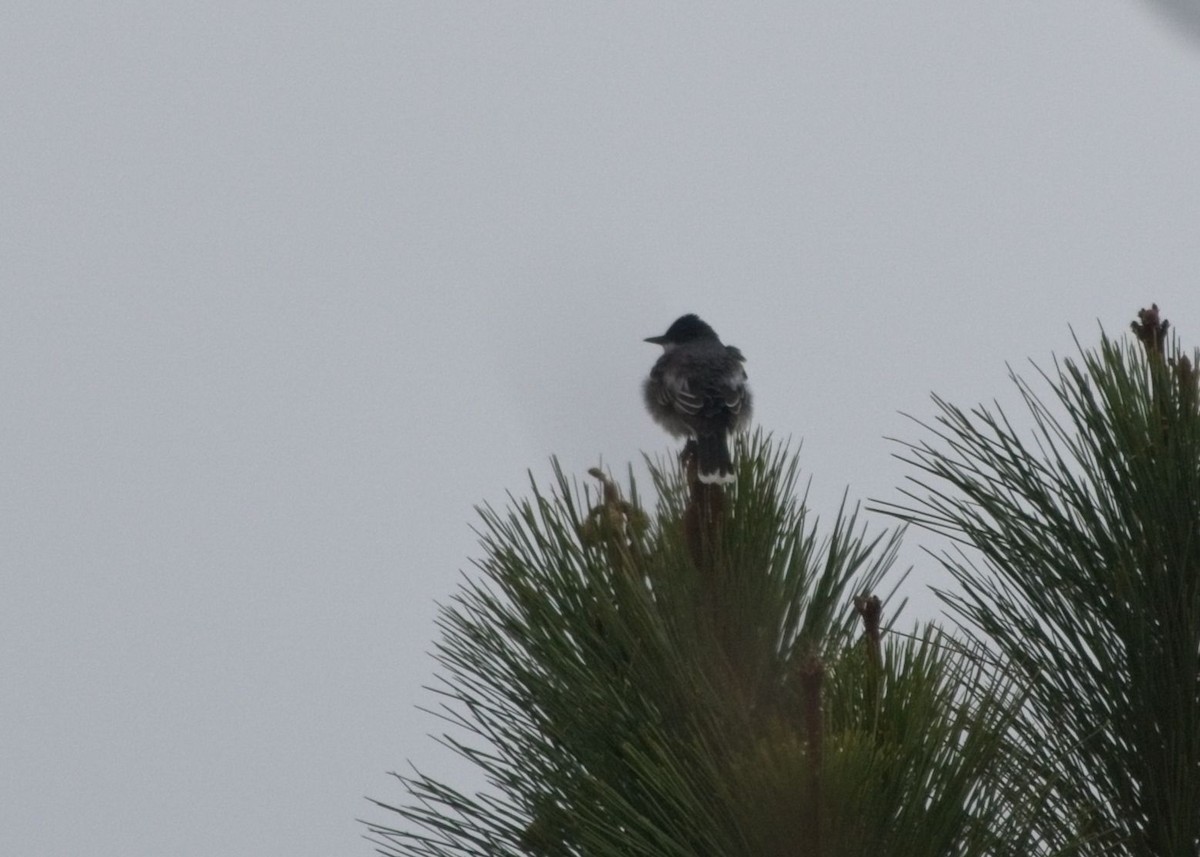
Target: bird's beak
x=656 y=340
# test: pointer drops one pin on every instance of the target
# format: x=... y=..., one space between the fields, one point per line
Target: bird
x=698 y=389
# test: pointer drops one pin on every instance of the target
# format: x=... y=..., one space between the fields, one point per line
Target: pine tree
x=1080 y=571
x=713 y=677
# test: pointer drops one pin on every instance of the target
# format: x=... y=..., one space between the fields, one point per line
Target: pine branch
x=693 y=681
x=1084 y=577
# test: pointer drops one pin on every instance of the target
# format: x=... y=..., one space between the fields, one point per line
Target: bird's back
x=699 y=386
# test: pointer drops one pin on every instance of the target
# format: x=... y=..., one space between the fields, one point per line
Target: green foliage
x=1083 y=574
x=694 y=682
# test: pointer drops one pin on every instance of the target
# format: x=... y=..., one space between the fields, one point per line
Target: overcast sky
x=287 y=288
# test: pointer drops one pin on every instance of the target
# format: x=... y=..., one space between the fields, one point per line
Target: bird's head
x=686 y=328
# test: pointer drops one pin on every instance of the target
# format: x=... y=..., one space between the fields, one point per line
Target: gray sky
x=287 y=288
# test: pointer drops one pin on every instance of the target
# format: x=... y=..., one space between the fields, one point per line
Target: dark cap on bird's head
x=686 y=328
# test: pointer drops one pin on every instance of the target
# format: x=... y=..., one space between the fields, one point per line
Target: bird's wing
x=732 y=391
x=676 y=393
x=723 y=394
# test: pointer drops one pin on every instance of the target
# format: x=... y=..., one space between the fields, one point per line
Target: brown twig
x=1151 y=330
x=812 y=677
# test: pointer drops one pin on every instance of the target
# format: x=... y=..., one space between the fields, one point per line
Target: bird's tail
x=714 y=462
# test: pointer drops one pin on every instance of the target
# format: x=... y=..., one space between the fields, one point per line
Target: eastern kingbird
x=698 y=389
